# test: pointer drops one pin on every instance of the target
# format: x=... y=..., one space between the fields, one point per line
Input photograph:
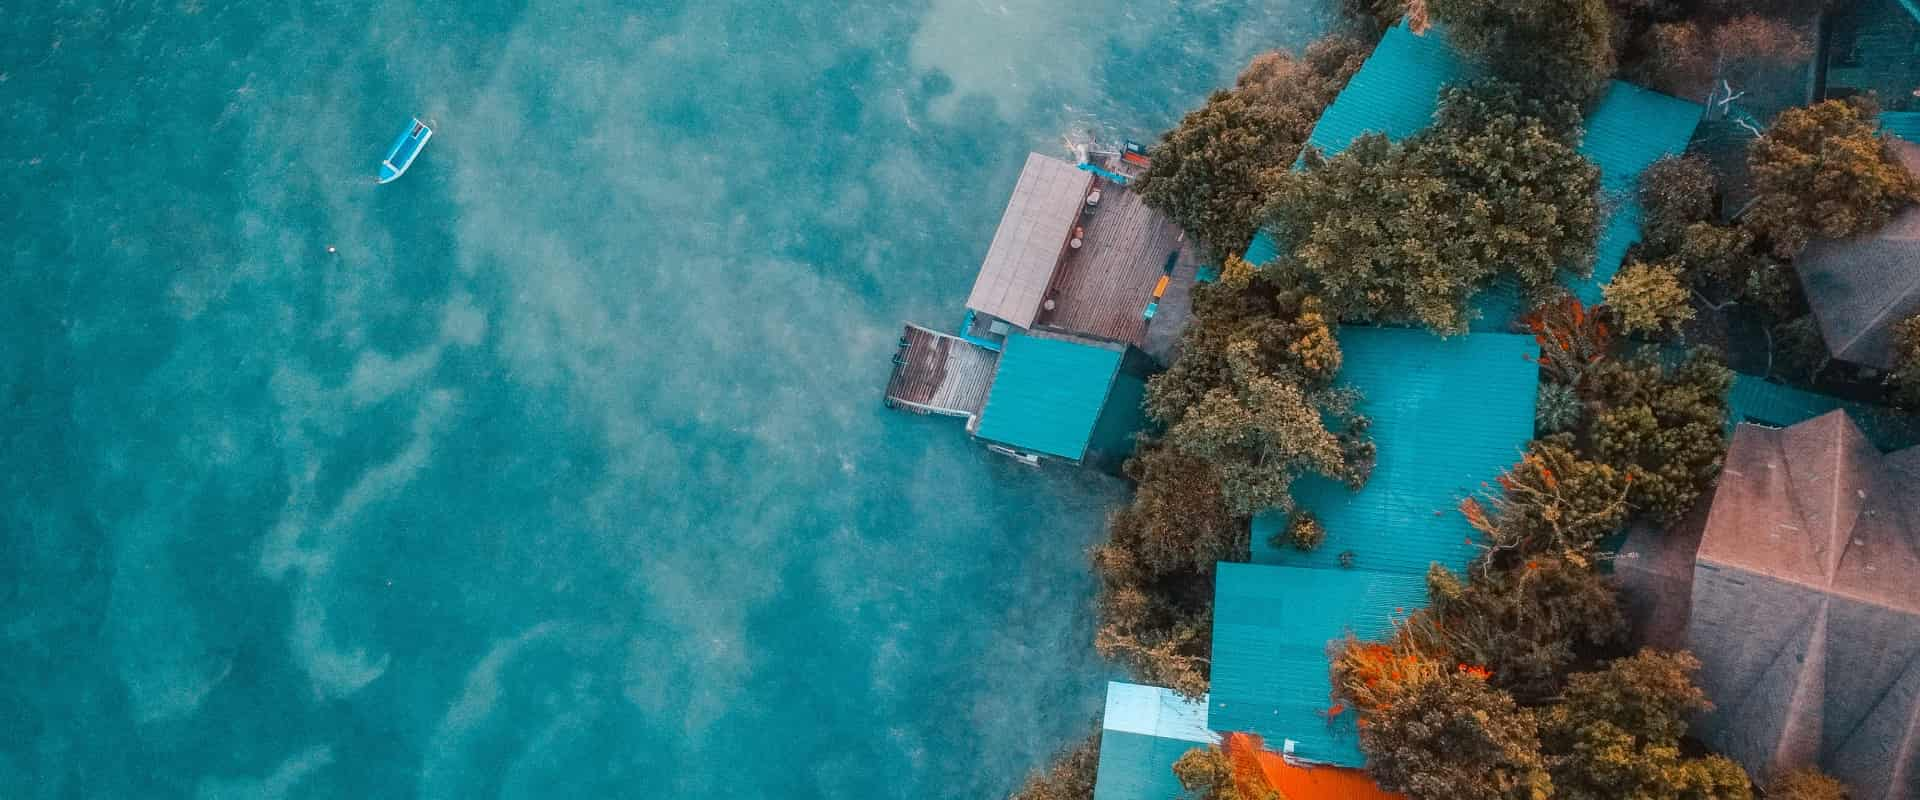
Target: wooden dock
x=1103 y=288
x=935 y=373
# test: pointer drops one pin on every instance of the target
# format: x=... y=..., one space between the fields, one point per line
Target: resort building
x=1449 y=416
x=1146 y=729
x=1861 y=287
x=1081 y=295
x=1800 y=603
x=1396 y=92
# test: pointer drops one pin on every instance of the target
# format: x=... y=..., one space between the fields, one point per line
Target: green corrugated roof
x=1144 y=730
x=1271 y=630
x=1448 y=414
x=1629 y=130
x=1758 y=400
x=1047 y=395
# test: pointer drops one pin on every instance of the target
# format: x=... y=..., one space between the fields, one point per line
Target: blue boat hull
x=404 y=150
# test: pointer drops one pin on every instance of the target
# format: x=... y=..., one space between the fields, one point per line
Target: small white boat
x=404 y=150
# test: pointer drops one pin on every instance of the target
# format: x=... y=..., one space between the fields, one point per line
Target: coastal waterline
x=564 y=473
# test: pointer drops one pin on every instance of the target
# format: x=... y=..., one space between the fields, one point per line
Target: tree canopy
x=1252 y=397
x=1662 y=427
x=1409 y=232
x=1824 y=171
x=1070 y=776
x=1904 y=379
x=1649 y=298
x=1249 y=406
x=1557 y=49
x=1210 y=773
x=1806 y=784
x=1211 y=173
x=1616 y=733
x=1453 y=736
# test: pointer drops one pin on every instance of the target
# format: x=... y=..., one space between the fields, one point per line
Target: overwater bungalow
x=1081 y=295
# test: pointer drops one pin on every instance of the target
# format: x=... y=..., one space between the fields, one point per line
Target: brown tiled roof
x=1806 y=606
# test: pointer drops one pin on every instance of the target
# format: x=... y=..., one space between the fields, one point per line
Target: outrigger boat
x=404 y=150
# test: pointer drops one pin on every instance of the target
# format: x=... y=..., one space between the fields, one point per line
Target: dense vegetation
x=1516 y=680
x=1559 y=50
x=1512 y=683
x=1408 y=232
x=1070 y=777
x=1248 y=407
x=1905 y=377
x=1823 y=171
x=1212 y=173
x=1211 y=773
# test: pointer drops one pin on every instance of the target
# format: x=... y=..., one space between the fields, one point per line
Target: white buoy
x=330 y=248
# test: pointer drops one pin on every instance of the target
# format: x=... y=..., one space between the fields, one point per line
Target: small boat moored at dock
x=404 y=150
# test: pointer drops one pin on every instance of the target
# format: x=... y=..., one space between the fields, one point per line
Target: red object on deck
x=1302 y=782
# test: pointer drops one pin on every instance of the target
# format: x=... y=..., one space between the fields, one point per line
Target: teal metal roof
x=1913 y=9
x=1047 y=395
x=1271 y=631
x=1904 y=124
x=1448 y=415
x=1629 y=130
x=1394 y=93
x=1263 y=248
x=1757 y=400
x=1146 y=729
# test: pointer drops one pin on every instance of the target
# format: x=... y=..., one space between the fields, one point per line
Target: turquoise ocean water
x=567 y=474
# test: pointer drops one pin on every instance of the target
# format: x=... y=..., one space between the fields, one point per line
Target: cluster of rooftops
x=1806 y=565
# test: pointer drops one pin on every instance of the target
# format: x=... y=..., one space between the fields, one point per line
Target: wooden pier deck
x=1103 y=288
x=936 y=373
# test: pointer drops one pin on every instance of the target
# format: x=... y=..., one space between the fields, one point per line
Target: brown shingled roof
x=1806 y=606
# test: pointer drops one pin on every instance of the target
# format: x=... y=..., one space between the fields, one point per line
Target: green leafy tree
x=1561 y=49
x=1246 y=322
x=1558 y=408
x=1905 y=377
x=1304 y=531
x=1661 y=427
x=1689 y=57
x=1725 y=260
x=1259 y=436
x=1158 y=622
x=1528 y=623
x=1454 y=736
x=1616 y=733
x=1799 y=350
x=1676 y=191
x=1251 y=395
x=1823 y=171
x=1408 y=233
x=1208 y=773
x=1179 y=519
x=1070 y=776
x=1806 y=784
x=1573 y=340
x=1551 y=503
x=1211 y=174
x=1649 y=298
